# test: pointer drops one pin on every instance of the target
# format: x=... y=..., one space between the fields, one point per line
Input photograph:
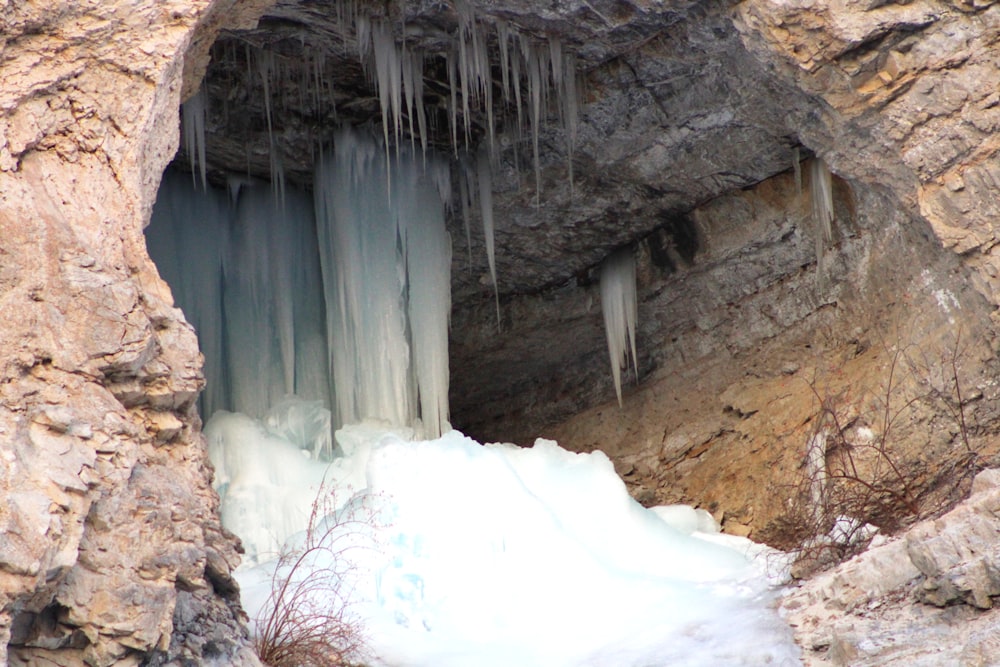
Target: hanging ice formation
x=188 y=238
x=618 y=304
x=536 y=79
x=542 y=71
x=386 y=259
x=821 y=194
x=282 y=329
x=247 y=275
x=345 y=307
x=193 y=114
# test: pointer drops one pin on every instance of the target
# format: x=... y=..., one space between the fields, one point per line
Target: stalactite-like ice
x=288 y=332
x=193 y=115
x=821 y=193
x=188 y=237
x=386 y=270
x=365 y=330
x=618 y=304
x=484 y=176
x=532 y=72
x=821 y=187
x=245 y=270
x=428 y=256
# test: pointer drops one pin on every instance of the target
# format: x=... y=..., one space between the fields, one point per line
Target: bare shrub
x=854 y=480
x=306 y=620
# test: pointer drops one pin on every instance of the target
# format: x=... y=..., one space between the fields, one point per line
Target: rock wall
x=911 y=103
x=899 y=100
x=111 y=551
x=743 y=344
x=925 y=598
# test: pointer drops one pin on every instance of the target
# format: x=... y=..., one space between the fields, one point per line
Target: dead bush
x=854 y=480
x=307 y=619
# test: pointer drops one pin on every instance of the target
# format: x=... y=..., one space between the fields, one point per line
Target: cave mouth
x=257 y=272
x=745 y=262
x=539 y=198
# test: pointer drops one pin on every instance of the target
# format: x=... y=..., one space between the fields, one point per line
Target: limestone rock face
x=109 y=524
x=925 y=598
x=912 y=85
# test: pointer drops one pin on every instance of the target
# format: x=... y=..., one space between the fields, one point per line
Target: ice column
x=193 y=115
x=386 y=262
x=246 y=272
x=618 y=304
x=821 y=191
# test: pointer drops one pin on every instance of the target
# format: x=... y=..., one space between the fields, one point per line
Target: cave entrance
x=261 y=271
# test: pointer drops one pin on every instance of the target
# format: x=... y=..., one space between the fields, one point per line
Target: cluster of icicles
x=328 y=345
x=338 y=300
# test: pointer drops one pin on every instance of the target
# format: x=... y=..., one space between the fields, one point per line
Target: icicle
x=464 y=67
x=409 y=93
x=485 y=177
x=385 y=261
x=428 y=256
x=465 y=195
x=363 y=31
x=618 y=304
x=535 y=90
x=571 y=104
x=234 y=184
x=453 y=102
x=389 y=81
x=484 y=84
x=193 y=115
x=556 y=60
x=503 y=41
x=265 y=66
x=822 y=198
x=417 y=65
x=515 y=75
x=821 y=191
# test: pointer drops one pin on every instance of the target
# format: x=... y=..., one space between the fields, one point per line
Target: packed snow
x=496 y=555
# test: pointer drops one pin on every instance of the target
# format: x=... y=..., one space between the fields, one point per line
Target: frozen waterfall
x=342 y=299
x=386 y=260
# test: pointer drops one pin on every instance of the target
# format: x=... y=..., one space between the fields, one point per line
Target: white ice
x=494 y=555
x=619 y=307
x=342 y=298
x=386 y=264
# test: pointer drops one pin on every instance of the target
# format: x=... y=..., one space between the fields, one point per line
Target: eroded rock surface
x=923 y=598
x=109 y=530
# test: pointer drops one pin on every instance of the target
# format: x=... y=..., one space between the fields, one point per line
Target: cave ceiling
x=673 y=113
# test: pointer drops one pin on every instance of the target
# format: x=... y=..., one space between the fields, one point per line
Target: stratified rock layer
x=109 y=526
x=925 y=598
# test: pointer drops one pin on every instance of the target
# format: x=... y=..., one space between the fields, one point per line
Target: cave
x=700 y=139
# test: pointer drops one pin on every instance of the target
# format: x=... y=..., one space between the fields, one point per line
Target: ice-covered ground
x=496 y=555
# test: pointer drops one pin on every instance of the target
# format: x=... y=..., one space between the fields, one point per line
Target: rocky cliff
x=779 y=365
x=111 y=551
